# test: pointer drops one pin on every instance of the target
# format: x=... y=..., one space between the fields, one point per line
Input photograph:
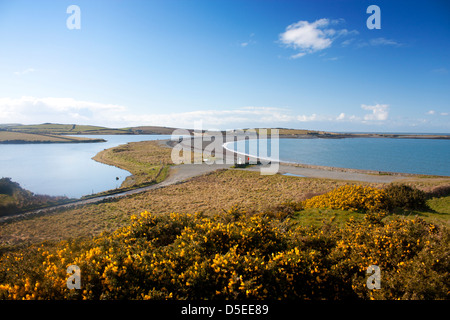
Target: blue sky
x=227 y=64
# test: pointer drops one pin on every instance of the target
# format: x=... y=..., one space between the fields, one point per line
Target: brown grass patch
x=146 y=160
x=211 y=193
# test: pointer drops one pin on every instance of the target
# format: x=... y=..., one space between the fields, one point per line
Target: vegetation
x=238 y=255
x=352 y=198
x=147 y=161
x=14 y=199
x=59 y=129
x=8 y=137
x=210 y=194
x=233 y=234
x=62 y=129
x=406 y=198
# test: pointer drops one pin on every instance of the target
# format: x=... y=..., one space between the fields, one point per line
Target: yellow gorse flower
x=349 y=197
x=237 y=255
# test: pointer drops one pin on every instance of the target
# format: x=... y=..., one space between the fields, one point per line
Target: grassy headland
x=73 y=129
x=147 y=161
x=8 y=137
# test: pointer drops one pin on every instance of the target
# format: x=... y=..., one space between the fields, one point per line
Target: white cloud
x=309 y=37
x=36 y=110
x=298 y=55
x=68 y=110
x=440 y=71
x=28 y=110
x=344 y=117
x=380 y=112
x=347 y=42
x=20 y=73
x=216 y=118
x=304 y=118
x=248 y=42
x=433 y=112
x=31 y=110
x=383 y=42
x=376 y=42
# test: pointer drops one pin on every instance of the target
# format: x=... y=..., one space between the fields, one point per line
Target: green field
x=11 y=137
x=58 y=129
x=72 y=129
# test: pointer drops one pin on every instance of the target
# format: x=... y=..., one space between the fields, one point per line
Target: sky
x=227 y=64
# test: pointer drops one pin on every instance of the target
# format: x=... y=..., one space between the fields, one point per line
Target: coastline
x=8 y=137
x=50 y=142
x=330 y=168
x=185 y=172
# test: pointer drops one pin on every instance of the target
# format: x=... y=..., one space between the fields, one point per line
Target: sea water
x=65 y=169
x=418 y=156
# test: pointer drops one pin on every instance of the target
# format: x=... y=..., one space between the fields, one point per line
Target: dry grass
x=146 y=160
x=20 y=137
x=211 y=194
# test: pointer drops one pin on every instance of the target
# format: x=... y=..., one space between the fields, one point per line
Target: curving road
x=183 y=172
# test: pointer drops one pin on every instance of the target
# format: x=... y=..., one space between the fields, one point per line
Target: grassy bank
x=73 y=129
x=147 y=161
x=61 y=129
x=8 y=137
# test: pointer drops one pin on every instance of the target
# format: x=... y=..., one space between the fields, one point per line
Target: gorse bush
x=368 y=199
x=405 y=197
x=14 y=199
x=237 y=255
x=350 y=197
x=7 y=186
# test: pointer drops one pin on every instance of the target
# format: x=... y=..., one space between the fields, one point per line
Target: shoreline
x=330 y=168
x=51 y=142
x=184 y=172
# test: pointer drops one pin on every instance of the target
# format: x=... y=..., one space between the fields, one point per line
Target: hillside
x=14 y=199
x=8 y=137
x=73 y=129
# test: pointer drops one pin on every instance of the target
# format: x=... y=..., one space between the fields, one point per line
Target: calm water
x=65 y=169
x=395 y=155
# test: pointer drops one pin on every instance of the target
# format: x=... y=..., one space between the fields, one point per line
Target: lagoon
x=417 y=156
x=65 y=169
x=68 y=169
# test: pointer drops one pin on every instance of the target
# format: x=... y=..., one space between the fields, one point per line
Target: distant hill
x=15 y=137
x=152 y=130
x=64 y=129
